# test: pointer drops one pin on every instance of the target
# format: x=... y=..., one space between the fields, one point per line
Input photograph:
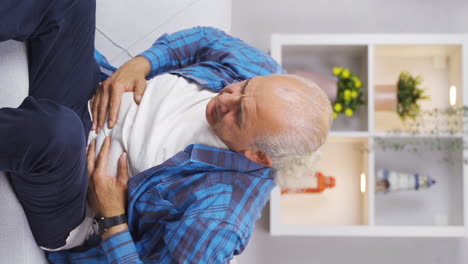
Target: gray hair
x=294 y=151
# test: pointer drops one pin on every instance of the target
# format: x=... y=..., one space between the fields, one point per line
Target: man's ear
x=258 y=156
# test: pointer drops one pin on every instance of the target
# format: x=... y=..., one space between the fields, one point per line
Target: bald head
x=305 y=115
x=303 y=110
x=269 y=117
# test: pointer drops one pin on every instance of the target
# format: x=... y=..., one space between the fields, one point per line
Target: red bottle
x=323 y=182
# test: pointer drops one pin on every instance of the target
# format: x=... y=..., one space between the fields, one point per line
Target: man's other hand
x=128 y=78
x=107 y=195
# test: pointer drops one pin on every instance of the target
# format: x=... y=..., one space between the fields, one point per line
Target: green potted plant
x=402 y=97
x=409 y=95
x=349 y=92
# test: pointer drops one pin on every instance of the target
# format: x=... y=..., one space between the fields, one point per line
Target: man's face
x=243 y=110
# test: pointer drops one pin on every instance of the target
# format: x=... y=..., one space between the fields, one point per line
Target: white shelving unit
x=441 y=211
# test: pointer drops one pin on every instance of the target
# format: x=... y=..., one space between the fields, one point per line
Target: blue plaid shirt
x=200 y=206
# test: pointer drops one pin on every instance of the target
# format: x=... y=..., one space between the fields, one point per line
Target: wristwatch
x=101 y=224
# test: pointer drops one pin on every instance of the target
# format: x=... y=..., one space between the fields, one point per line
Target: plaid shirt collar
x=227 y=159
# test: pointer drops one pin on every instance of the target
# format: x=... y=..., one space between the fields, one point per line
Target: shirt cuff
x=120 y=246
x=159 y=57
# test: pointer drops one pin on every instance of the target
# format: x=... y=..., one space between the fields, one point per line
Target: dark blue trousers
x=43 y=141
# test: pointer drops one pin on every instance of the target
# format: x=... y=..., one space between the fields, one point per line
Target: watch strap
x=106 y=223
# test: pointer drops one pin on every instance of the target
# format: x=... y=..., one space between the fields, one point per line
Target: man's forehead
x=268 y=105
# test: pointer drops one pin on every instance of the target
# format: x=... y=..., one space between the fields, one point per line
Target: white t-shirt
x=171 y=116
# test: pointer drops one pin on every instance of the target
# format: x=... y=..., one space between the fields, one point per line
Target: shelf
x=342 y=205
x=417 y=135
x=348 y=134
x=438 y=65
x=320 y=59
x=371 y=231
x=442 y=204
x=374 y=139
x=409 y=51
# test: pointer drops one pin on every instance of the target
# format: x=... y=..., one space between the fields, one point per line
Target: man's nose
x=229 y=101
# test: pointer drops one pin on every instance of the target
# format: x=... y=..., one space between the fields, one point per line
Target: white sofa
x=123 y=29
x=17 y=244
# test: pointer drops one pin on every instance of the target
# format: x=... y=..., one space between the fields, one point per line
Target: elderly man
x=221 y=127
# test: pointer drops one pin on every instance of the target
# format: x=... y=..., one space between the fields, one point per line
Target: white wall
x=126 y=28
x=254 y=21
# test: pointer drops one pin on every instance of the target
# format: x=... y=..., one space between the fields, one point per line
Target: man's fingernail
x=94 y=126
x=138 y=98
x=111 y=123
x=124 y=156
x=98 y=129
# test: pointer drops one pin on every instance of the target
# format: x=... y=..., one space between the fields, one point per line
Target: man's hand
x=106 y=195
x=128 y=78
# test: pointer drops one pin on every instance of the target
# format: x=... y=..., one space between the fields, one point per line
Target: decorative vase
x=385 y=97
x=326 y=84
x=319 y=184
x=393 y=181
